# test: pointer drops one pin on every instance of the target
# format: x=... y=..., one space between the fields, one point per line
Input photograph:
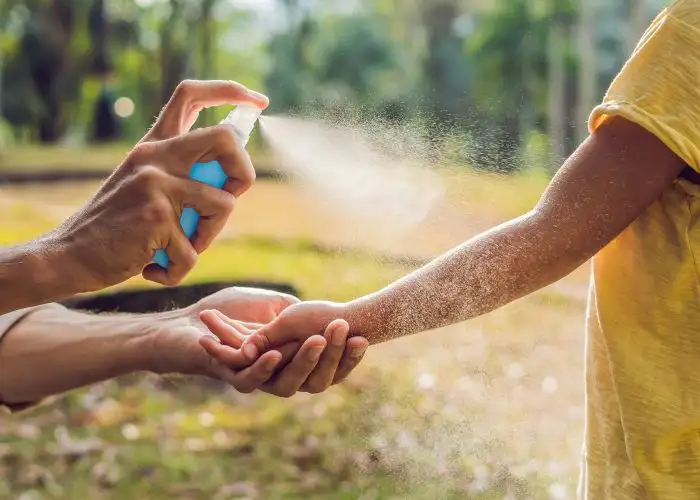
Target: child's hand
x=306 y=371
x=296 y=323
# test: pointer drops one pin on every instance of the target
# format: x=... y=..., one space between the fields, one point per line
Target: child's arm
x=605 y=185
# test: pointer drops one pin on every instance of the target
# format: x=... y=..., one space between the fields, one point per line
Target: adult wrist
x=63 y=267
x=136 y=347
x=156 y=348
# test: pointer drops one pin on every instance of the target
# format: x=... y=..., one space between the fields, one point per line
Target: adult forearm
x=35 y=273
x=54 y=350
x=481 y=275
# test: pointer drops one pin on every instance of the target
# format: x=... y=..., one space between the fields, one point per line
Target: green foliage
x=477 y=68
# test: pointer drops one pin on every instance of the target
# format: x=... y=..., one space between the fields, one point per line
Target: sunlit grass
x=501 y=195
x=37 y=158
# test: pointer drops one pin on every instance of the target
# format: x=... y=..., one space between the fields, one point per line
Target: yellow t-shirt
x=643 y=321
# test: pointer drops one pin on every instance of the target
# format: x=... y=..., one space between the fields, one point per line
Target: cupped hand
x=180 y=345
x=305 y=371
x=137 y=210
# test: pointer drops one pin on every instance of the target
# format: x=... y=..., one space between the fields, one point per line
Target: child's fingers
x=252 y=327
x=228 y=334
x=264 y=339
x=272 y=335
x=256 y=344
x=227 y=356
x=243 y=327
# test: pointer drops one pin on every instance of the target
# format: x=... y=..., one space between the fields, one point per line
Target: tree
x=336 y=63
x=45 y=48
x=588 y=69
x=508 y=52
x=174 y=42
x=445 y=65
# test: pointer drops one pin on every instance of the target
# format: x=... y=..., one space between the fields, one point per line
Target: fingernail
x=358 y=353
x=338 y=336
x=250 y=350
x=271 y=363
x=257 y=95
x=315 y=353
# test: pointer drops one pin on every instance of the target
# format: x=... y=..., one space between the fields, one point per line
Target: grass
x=504 y=195
x=32 y=158
x=489 y=409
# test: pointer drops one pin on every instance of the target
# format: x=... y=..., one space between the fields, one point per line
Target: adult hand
x=137 y=210
x=252 y=305
x=305 y=372
x=180 y=346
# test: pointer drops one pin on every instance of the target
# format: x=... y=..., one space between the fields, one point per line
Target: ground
x=492 y=408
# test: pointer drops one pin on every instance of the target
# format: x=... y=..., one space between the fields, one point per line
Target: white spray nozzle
x=243 y=119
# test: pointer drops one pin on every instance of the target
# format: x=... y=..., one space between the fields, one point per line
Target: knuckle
x=157 y=212
x=248 y=176
x=184 y=89
x=139 y=155
x=224 y=136
x=227 y=203
x=170 y=280
x=223 y=139
x=142 y=150
x=190 y=260
x=175 y=280
x=150 y=176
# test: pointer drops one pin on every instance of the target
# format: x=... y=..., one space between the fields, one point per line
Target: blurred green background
x=511 y=71
x=489 y=409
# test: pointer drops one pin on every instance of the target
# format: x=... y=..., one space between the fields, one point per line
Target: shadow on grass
x=163 y=299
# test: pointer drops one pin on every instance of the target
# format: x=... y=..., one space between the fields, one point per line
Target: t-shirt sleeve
x=659 y=86
x=7 y=321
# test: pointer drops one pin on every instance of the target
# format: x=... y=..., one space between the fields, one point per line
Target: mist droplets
x=369 y=170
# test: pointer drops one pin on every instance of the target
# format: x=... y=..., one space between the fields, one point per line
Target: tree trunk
x=48 y=51
x=557 y=94
x=98 y=27
x=438 y=17
x=173 y=55
x=207 y=30
x=588 y=68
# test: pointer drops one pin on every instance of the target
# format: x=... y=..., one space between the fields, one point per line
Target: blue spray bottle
x=242 y=119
